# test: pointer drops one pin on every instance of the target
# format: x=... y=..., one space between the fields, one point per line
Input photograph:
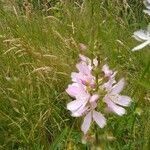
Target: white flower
x=147 y=4
x=142 y=35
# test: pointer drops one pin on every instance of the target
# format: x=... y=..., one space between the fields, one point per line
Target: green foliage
x=38 y=51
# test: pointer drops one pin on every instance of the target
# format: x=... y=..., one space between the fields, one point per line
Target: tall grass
x=37 y=54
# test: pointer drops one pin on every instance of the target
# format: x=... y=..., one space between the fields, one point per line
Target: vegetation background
x=39 y=47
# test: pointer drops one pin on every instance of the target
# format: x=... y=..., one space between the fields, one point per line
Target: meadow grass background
x=39 y=47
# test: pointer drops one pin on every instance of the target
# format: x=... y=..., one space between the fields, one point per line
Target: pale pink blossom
x=84 y=76
x=91 y=104
x=110 y=75
x=114 y=100
x=107 y=72
x=79 y=92
x=84 y=89
x=78 y=107
x=82 y=104
x=143 y=35
x=87 y=80
x=82 y=46
x=83 y=68
x=85 y=59
x=88 y=61
x=75 y=89
x=93 y=116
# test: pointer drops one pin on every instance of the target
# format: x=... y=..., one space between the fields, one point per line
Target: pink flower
x=84 y=76
x=77 y=90
x=107 y=72
x=114 y=100
x=88 y=61
x=110 y=75
x=87 y=80
x=77 y=107
x=82 y=104
x=83 y=68
x=91 y=104
x=93 y=115
x=85 y=59
x=82 y=46
x=85 y=101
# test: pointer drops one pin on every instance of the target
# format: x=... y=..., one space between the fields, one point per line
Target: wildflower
x=114 y=100
x=93 y=115
x=110 y=75
x=88 y=61
x=76 y=90
x=82 y=46
x=142 y=35
x=107 y=71
x=87 y=93
x=96 y=116
x=77 y=107
x=147 y=4
x=84 y=76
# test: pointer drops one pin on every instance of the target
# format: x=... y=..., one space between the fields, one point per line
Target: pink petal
x=93 y=105
x=82 y=46
x=76 y=77
x=108 y=85
x=82 y=78
x=86 y=123
x=83 y=68
x=78 y=113
x=99 y=119
x=115 y=108
x=74 y=105
x=108 y=110
x=107 y=71
x=117 y=88
x=73 y=90
x=122 y=100
x=78 y=91
x=85 y=59
x=82 y=58
x=94 y=98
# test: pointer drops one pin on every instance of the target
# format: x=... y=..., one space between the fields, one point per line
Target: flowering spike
x=87 y=93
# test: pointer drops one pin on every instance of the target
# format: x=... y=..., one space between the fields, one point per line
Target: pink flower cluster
x=93 y=91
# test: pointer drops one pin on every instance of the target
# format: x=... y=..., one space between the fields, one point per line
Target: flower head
x=147 y=4
x=142 y=35
x=114 y=100
x=84 y=76
x=88 y=92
